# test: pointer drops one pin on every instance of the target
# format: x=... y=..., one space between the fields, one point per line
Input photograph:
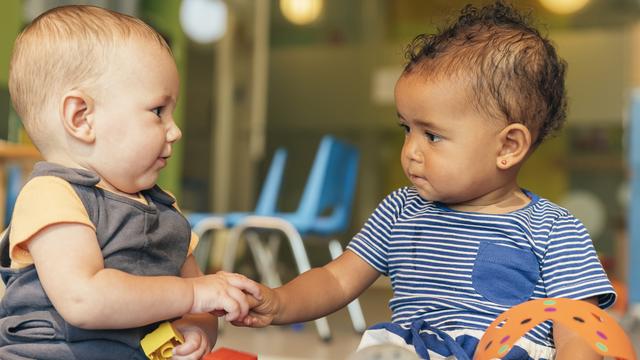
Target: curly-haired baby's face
x=450 y=149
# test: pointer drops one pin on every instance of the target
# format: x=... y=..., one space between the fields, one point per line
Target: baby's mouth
x=418 y=180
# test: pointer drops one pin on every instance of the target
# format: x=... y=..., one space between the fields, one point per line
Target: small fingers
x=238 y=323
x=248 y=321
x=195 y=345
x=253 y=302
x=231 y=307
x=242 y=282
x=191 y=343
x=241 y=299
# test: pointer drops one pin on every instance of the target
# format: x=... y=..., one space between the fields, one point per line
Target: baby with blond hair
x=97 y=254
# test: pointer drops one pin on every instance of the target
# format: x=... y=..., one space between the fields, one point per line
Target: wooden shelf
x=13 y=151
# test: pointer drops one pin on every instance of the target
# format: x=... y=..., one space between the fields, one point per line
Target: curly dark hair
x=513 y=71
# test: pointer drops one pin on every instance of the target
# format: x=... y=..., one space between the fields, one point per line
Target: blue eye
x=404 y=127
x=157 y=110
x=432 y=137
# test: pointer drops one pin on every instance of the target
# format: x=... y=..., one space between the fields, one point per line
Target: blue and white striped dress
x=454 y=272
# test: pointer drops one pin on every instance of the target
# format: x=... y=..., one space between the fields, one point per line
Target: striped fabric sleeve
x=570 y=268
x=371 y=243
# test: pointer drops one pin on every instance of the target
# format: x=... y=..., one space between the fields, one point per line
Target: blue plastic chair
x=204 y=222
x=324 y=210
x=14 y=183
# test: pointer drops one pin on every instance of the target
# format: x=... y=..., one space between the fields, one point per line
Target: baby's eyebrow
x=422 y=122
x=167 y=99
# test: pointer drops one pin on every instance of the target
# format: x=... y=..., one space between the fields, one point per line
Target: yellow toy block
x=159 y=344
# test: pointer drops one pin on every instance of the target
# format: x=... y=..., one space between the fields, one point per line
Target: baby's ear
x=514 y=144
x=76 y=112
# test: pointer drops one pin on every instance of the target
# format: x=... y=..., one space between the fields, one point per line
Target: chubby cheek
x=404 y=162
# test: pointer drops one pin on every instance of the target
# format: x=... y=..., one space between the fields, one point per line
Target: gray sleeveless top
x=146 y=240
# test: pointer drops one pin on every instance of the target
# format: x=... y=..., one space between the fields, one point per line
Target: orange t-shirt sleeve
x=193 y=243
x=43 y=201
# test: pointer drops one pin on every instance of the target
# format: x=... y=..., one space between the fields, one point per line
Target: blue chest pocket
x=505 y=275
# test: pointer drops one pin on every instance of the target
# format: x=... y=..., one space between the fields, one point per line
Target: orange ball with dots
x=600 y=330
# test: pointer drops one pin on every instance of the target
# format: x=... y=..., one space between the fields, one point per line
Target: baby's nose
x=174 y=134
x=411 y=149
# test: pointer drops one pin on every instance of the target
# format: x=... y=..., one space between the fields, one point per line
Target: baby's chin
x=146 y=186
x=138 y=186
x=435 y=197
x=426 y=195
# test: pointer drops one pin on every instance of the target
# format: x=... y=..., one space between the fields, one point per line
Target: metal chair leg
x=231 y=248
x=297 y=247
x=203 y=250
x=302 y=261
x=264 y=259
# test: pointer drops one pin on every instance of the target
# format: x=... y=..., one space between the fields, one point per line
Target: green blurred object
x=10 y=25
x=5 y=104
x=164 y=17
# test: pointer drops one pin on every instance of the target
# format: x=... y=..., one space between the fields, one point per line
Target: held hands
x=224 y=293
x=263 y=310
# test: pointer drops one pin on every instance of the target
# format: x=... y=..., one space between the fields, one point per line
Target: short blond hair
x=66 y=48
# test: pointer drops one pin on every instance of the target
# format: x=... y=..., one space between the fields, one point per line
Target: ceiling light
x=203 y=21
x=301 y=12
x=564 y=7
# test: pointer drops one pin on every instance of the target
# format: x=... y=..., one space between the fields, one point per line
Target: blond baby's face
x=134 y=123
x=449 y=152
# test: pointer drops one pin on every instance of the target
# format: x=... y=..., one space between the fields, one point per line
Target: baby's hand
x=263 y=311
x=223 y=293
x=196 y=343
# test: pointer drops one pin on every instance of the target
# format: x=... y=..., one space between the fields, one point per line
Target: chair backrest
x=328 y=195
x=268 y=199
x=265 y=206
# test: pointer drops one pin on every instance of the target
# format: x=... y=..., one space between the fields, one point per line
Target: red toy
x=228 y=354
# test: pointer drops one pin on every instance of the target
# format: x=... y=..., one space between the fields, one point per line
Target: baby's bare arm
x=207 y=323
x=569 y=345
x=315 y=293
x=71 y=268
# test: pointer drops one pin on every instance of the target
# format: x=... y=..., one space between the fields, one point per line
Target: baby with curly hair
x=465 y=242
